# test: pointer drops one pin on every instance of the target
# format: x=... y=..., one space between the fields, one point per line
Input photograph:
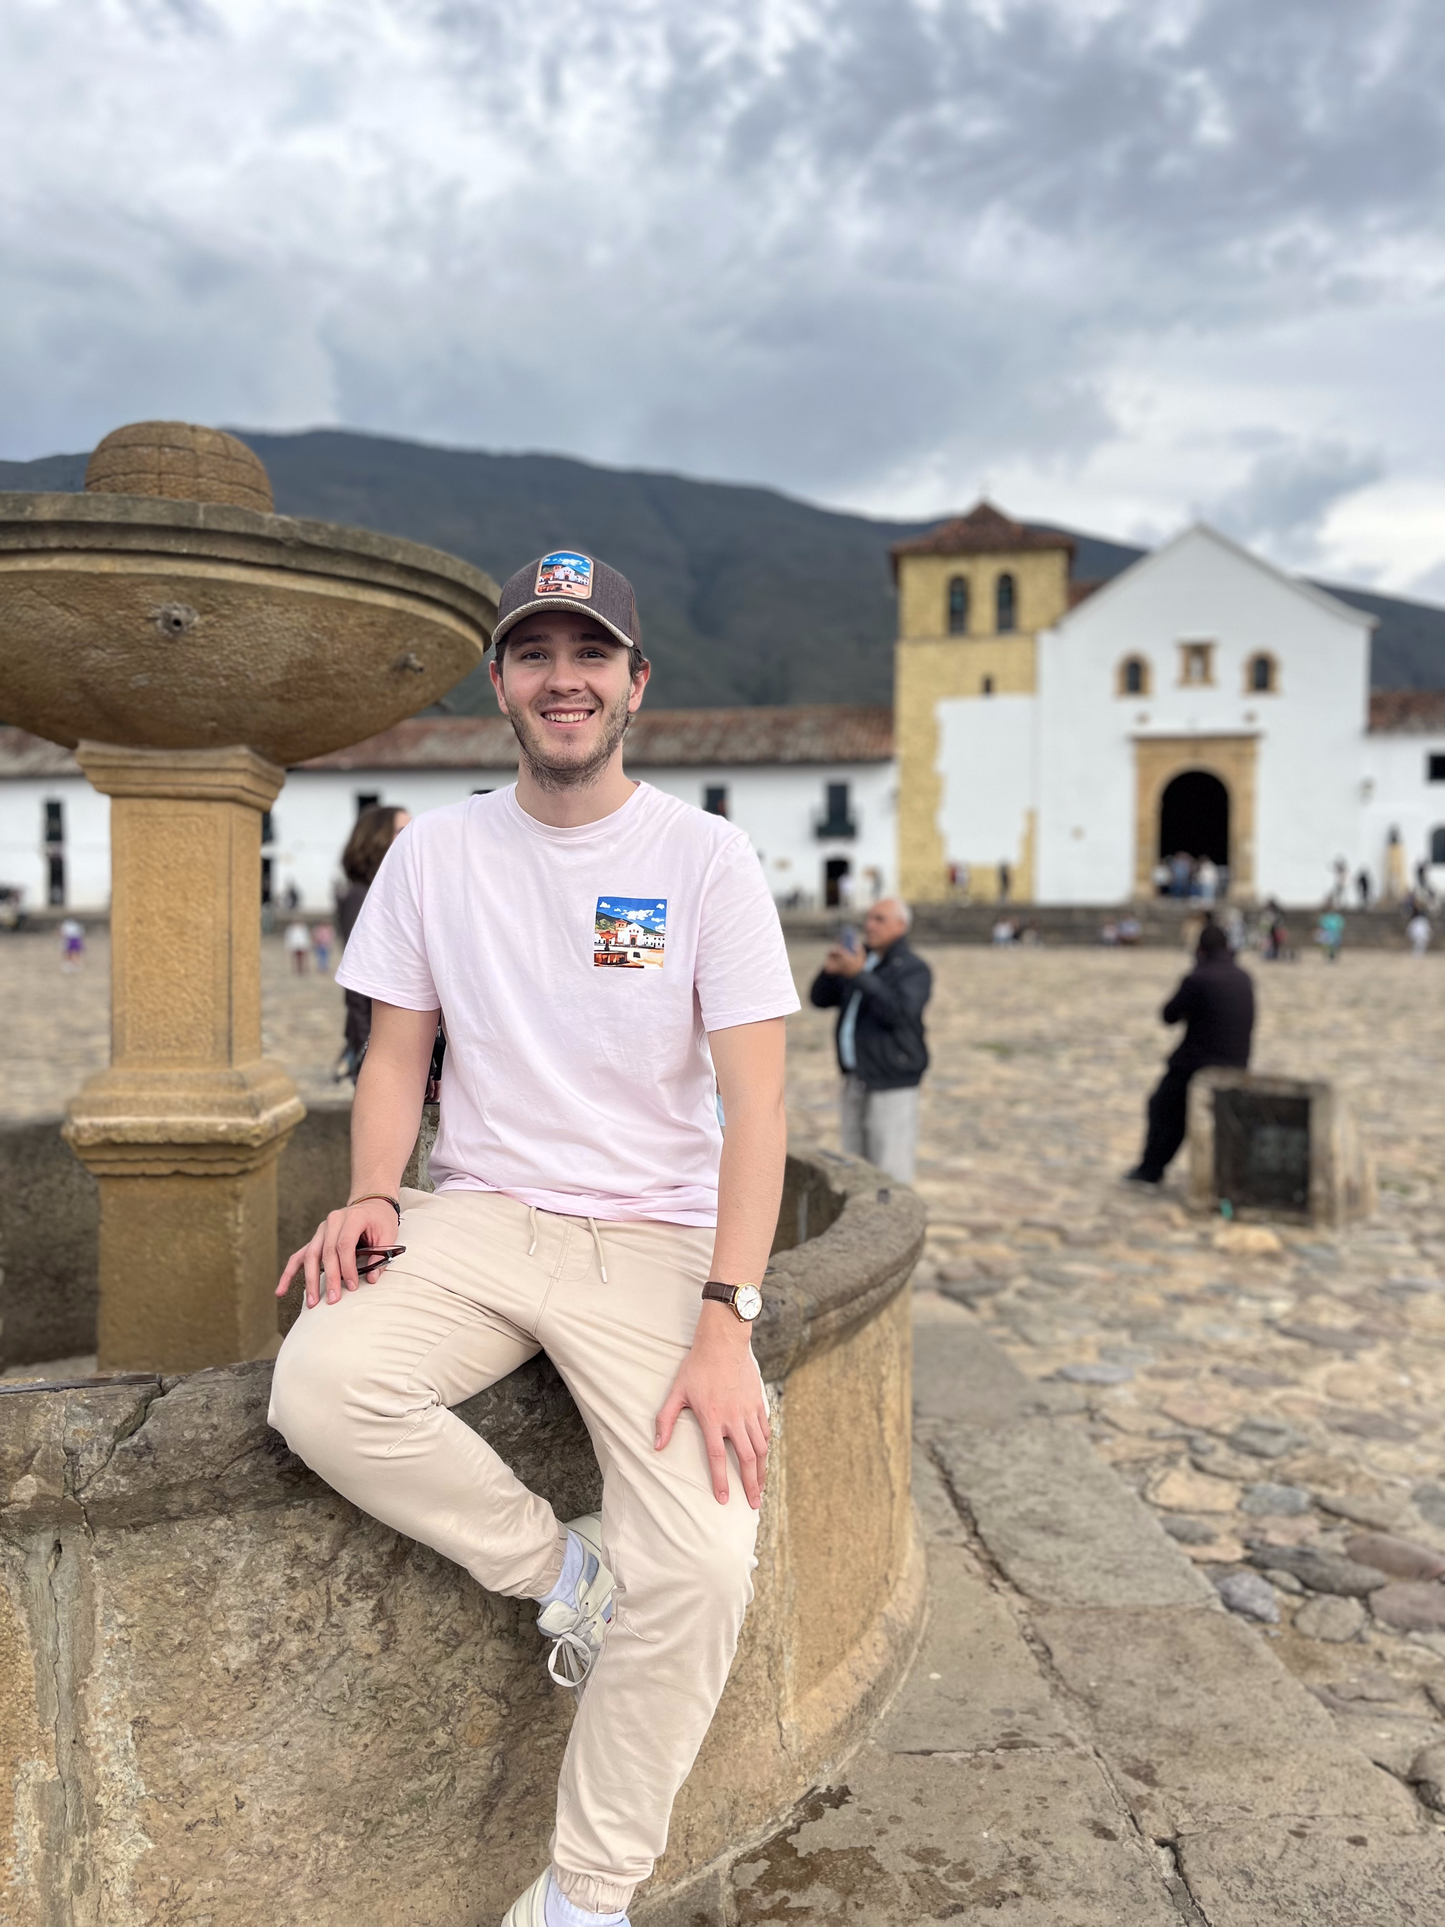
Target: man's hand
x=384 y=1119
x=719 y=1383
x=332 y=1250
x=844 y=963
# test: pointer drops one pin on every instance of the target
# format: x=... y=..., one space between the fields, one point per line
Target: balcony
x=835 y=821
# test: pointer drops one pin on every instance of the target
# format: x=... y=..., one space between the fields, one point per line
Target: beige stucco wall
x=1041 y=590
x=931 y=666
x=1157 y=761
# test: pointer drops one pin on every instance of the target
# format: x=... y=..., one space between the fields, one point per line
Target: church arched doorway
x=1194 y=817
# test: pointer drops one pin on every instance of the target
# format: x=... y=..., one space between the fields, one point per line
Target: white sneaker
x=577 y=1630
x=530 y=1910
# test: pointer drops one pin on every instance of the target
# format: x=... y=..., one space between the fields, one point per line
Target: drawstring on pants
x=597 y=1247
x=591 y=1226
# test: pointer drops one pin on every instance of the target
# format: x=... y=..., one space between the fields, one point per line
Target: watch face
x=748 y=1302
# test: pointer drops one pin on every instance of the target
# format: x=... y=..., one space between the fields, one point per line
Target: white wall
x=1309 y=736
x=779 y=805
x=1395 y=793
x=986 y=760
x=86 y=820
x=314 y=814
x=776 y=805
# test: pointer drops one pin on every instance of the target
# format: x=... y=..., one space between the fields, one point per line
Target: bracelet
x=380 y=1197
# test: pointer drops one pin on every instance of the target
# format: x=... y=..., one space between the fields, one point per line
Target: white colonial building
x=813 y=788
x=1201 y=702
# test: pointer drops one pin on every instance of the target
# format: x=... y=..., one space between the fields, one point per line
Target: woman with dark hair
x=372 y=836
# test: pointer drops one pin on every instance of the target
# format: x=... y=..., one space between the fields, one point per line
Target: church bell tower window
x=958 y=606
x=1004 y=596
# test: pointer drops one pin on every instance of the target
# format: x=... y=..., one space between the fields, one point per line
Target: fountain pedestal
x=189 y=644
x=184 y=1129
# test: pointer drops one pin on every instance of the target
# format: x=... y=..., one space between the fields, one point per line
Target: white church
x=1202 y=702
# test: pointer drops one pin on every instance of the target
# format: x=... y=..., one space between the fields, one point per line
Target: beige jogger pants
x=361 y=1394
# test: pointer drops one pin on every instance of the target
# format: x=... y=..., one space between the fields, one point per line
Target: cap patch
x=564 y=572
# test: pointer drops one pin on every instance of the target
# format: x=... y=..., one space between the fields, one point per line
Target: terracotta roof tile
x=22 y=754
x=659 y=738
x=984 y=530
x=1407 y=712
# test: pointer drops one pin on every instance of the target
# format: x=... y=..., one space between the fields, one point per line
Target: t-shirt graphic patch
x=629 y=933
x=564 y=572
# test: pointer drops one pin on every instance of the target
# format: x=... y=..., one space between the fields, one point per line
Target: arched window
x=1133 y=676
x=1004 y=596
x=958 y=606
x=1437 y=843
x=1260 y=676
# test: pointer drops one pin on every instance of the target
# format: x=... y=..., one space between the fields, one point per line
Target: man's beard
x=568 y=775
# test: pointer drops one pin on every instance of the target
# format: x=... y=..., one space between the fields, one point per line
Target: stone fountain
x=187 y=644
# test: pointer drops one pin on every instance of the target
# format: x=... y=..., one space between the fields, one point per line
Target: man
x=1215 y=1003
x=587 y=1204
x=880 y=994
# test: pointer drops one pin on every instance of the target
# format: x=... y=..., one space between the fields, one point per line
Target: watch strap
x=720 y=1293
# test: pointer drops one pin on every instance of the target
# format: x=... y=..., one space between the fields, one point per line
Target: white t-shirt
x=578 y=972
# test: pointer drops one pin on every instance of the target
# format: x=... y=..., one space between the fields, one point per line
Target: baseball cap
x=569 y=579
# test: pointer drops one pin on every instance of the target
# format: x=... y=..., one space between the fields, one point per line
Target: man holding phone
x=607 y=960
x=880 y=992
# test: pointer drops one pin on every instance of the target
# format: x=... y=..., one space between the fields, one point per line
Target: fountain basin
x=146 y=623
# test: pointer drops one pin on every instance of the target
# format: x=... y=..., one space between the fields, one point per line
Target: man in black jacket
x=1215 y=1003
x=880 y=994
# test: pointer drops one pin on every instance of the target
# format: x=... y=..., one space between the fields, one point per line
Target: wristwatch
x=746 y=1300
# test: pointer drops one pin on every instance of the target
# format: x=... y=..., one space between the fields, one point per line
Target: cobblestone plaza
x=1271 y=1393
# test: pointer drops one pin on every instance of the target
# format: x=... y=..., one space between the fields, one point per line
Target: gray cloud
x=868 y=250
x=1287 y=493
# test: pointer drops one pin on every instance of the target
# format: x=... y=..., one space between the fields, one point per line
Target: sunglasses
x=371 y=1258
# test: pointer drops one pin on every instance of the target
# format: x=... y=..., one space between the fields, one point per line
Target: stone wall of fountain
x=226 y=1695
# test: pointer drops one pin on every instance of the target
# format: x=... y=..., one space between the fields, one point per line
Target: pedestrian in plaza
x=1330 y=935
x=372 y=835
x=72 y=944
x=587 y=1204
x=298 y=945
x=322 y=938
x=1418 y=931
x=1215 y=1003
x=1362 y=889
x=1276 y=933
x=879 y=989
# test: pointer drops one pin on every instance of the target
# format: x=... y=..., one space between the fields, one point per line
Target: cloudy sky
x=1118 y=261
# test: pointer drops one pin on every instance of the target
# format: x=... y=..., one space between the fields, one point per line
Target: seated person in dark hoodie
x=1215 y=1003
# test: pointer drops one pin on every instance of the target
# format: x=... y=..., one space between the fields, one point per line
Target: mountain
x=747 y=596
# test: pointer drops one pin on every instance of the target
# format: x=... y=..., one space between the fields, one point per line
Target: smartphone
x=371 y=1258
x=848 y=937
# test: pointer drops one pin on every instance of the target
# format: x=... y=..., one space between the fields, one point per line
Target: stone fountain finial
x=190 y=645
x=182 y=463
